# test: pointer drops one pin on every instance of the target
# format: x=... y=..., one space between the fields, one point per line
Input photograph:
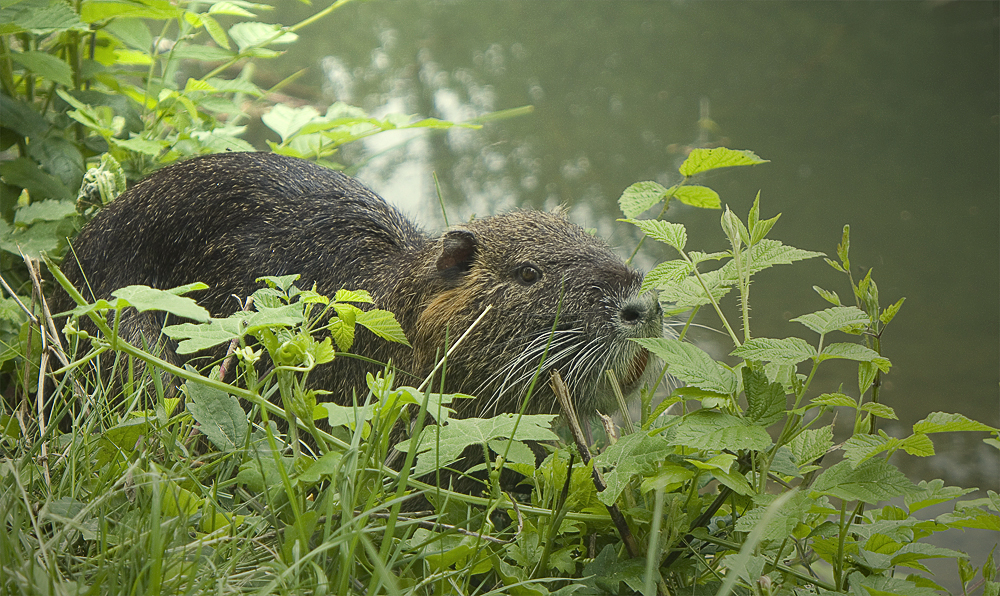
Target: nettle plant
x=779 y=515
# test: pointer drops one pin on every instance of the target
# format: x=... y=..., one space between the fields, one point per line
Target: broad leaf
x=832 y=319
x=691 y=364
x=458 y=434
x=698 y=196
x=790 y=350
x=218 y=414
x=632 y=455
x=872 y=481
x=672 y=234
x=641 y=196
x=702 y=160
x=765 y=400
x=711 y=430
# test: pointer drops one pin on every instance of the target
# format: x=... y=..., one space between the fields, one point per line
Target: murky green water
x=880 y=115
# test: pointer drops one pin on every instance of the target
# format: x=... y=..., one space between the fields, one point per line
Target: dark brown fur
x=230 y=218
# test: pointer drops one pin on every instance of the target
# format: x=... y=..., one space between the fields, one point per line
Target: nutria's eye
x=528 y=274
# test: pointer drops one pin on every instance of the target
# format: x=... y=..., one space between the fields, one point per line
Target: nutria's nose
x=641 y=309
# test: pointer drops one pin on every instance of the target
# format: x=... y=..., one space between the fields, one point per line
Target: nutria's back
x=230 y=218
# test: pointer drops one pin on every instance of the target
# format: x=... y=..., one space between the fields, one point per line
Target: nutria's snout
x=641 y=314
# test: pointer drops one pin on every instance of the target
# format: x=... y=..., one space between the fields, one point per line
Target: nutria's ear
x=458 y=247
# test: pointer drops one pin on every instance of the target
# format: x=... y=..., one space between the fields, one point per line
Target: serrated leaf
x=811 y=444
x=832 y=319
x=880 y=410
x=144 y=298
x=353 y=296
x=252 y=34
x=919 y=445
x=828 y=295
x=47 y=210
x=940 y=422
x=721 y=468
x=672 y=234
x=702 y=160
x=45 y=65
x=861 y=448
x=201 y=336
x=711 y=430
x=632 y=455
x=765 y=400
x=640 y=196
x=789 y=350
x=854 y=352
x=835 y=399
x=766 y=253
x=870 y=482
x=218 y=414
x=890 y=312
x=459 y=433
x=691 y=364
x=383 y=324
x=699 y=257
x=932 y=493
x=780 y=526
x=698 y=196
x=666 y=274
x=689 y=292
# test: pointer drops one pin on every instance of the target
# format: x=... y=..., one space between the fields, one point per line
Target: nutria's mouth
x=634 y=369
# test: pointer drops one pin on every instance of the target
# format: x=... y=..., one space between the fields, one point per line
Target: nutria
x=230 y=218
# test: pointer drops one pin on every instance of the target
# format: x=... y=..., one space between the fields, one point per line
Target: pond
x=883 y=116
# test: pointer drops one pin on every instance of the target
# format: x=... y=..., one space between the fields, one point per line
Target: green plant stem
x=715 y=303
x=771 y=562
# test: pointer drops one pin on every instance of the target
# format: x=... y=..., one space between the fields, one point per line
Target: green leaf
x=383 y=324
x=721 y=468
x=641 y=196
x=460 y=433
x=941 y=422
x=790 y=350
x=672 y=234
x=144 y=298
x=835 y=318
x=287 y=121
x=698 y=196
x=201 y=336
x=633 y=455
x=870 y=482
x=353 y=296
x=666 y=274
x=25 y=173
x=702 y=160
x=828 y=295
x=854 y=352
x=919 y=445
x=791 y=514
x=218 y=414
x=765 y=400
x=48 y=210
x=880 y=410
x=251 y=34
x=711 y=430
x=861 y=448
x=932 y=493
x=811 y=444
x=689 y=292
x=890 y=312
x=835 y=399
x=768 y=253
x=45 y=65
x=691 y=364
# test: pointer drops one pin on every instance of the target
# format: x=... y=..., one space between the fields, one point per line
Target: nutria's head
x=556 y=291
